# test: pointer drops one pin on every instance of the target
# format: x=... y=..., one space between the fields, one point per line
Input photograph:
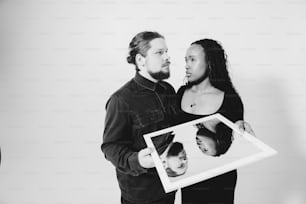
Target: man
x=175 y=160
x=144 y=104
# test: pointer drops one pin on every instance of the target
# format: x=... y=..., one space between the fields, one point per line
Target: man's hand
x=145 y=158
x=244 y=126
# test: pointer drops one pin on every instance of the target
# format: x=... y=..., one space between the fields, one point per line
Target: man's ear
x=140 y=61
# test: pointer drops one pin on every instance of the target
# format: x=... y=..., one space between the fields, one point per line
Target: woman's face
x=178 y=163
x=207 y=145
x=195 y=63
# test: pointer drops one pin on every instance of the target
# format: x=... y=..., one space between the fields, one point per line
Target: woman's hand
x=244 y=126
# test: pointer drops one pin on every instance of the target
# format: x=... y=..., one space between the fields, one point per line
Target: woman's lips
x=188 y=74
x=166 y=64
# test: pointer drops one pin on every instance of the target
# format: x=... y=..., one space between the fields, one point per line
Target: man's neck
x=147 y=76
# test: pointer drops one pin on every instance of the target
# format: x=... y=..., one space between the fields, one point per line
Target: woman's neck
x=204 y=86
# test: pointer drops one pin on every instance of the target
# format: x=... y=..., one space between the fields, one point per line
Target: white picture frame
x=244 y=149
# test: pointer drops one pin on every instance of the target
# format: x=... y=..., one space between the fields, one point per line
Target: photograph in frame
x=191 y=152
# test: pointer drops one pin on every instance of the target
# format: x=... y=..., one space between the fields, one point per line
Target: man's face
x=157 y=60
x=178 y=163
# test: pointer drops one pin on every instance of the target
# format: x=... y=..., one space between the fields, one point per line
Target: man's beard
x=199 y=80
x=160 y=75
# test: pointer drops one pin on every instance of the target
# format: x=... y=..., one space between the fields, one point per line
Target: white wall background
x=61 y=59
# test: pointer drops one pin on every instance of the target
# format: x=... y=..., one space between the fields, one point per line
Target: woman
x=209 y=90
x=214 y=143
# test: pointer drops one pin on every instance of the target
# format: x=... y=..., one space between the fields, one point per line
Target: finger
x=147 y=151
x=237 y=133
x=249 y=129
x=151 y=149
x=240 y=125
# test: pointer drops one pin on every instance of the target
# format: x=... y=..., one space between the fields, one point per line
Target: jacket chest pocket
x=149 y=117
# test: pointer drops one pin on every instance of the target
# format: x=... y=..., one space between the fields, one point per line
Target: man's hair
x=175 y=149
x=216 y=60
x=141 y=44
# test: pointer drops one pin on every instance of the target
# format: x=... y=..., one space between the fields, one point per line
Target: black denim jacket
x=137 y=108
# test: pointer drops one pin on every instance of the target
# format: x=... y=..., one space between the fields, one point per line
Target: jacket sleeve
x=117 y=140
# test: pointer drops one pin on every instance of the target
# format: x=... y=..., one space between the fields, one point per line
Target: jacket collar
x=144 y=82
x=148 y=84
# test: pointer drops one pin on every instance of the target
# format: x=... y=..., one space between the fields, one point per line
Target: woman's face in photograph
x=207 y=145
